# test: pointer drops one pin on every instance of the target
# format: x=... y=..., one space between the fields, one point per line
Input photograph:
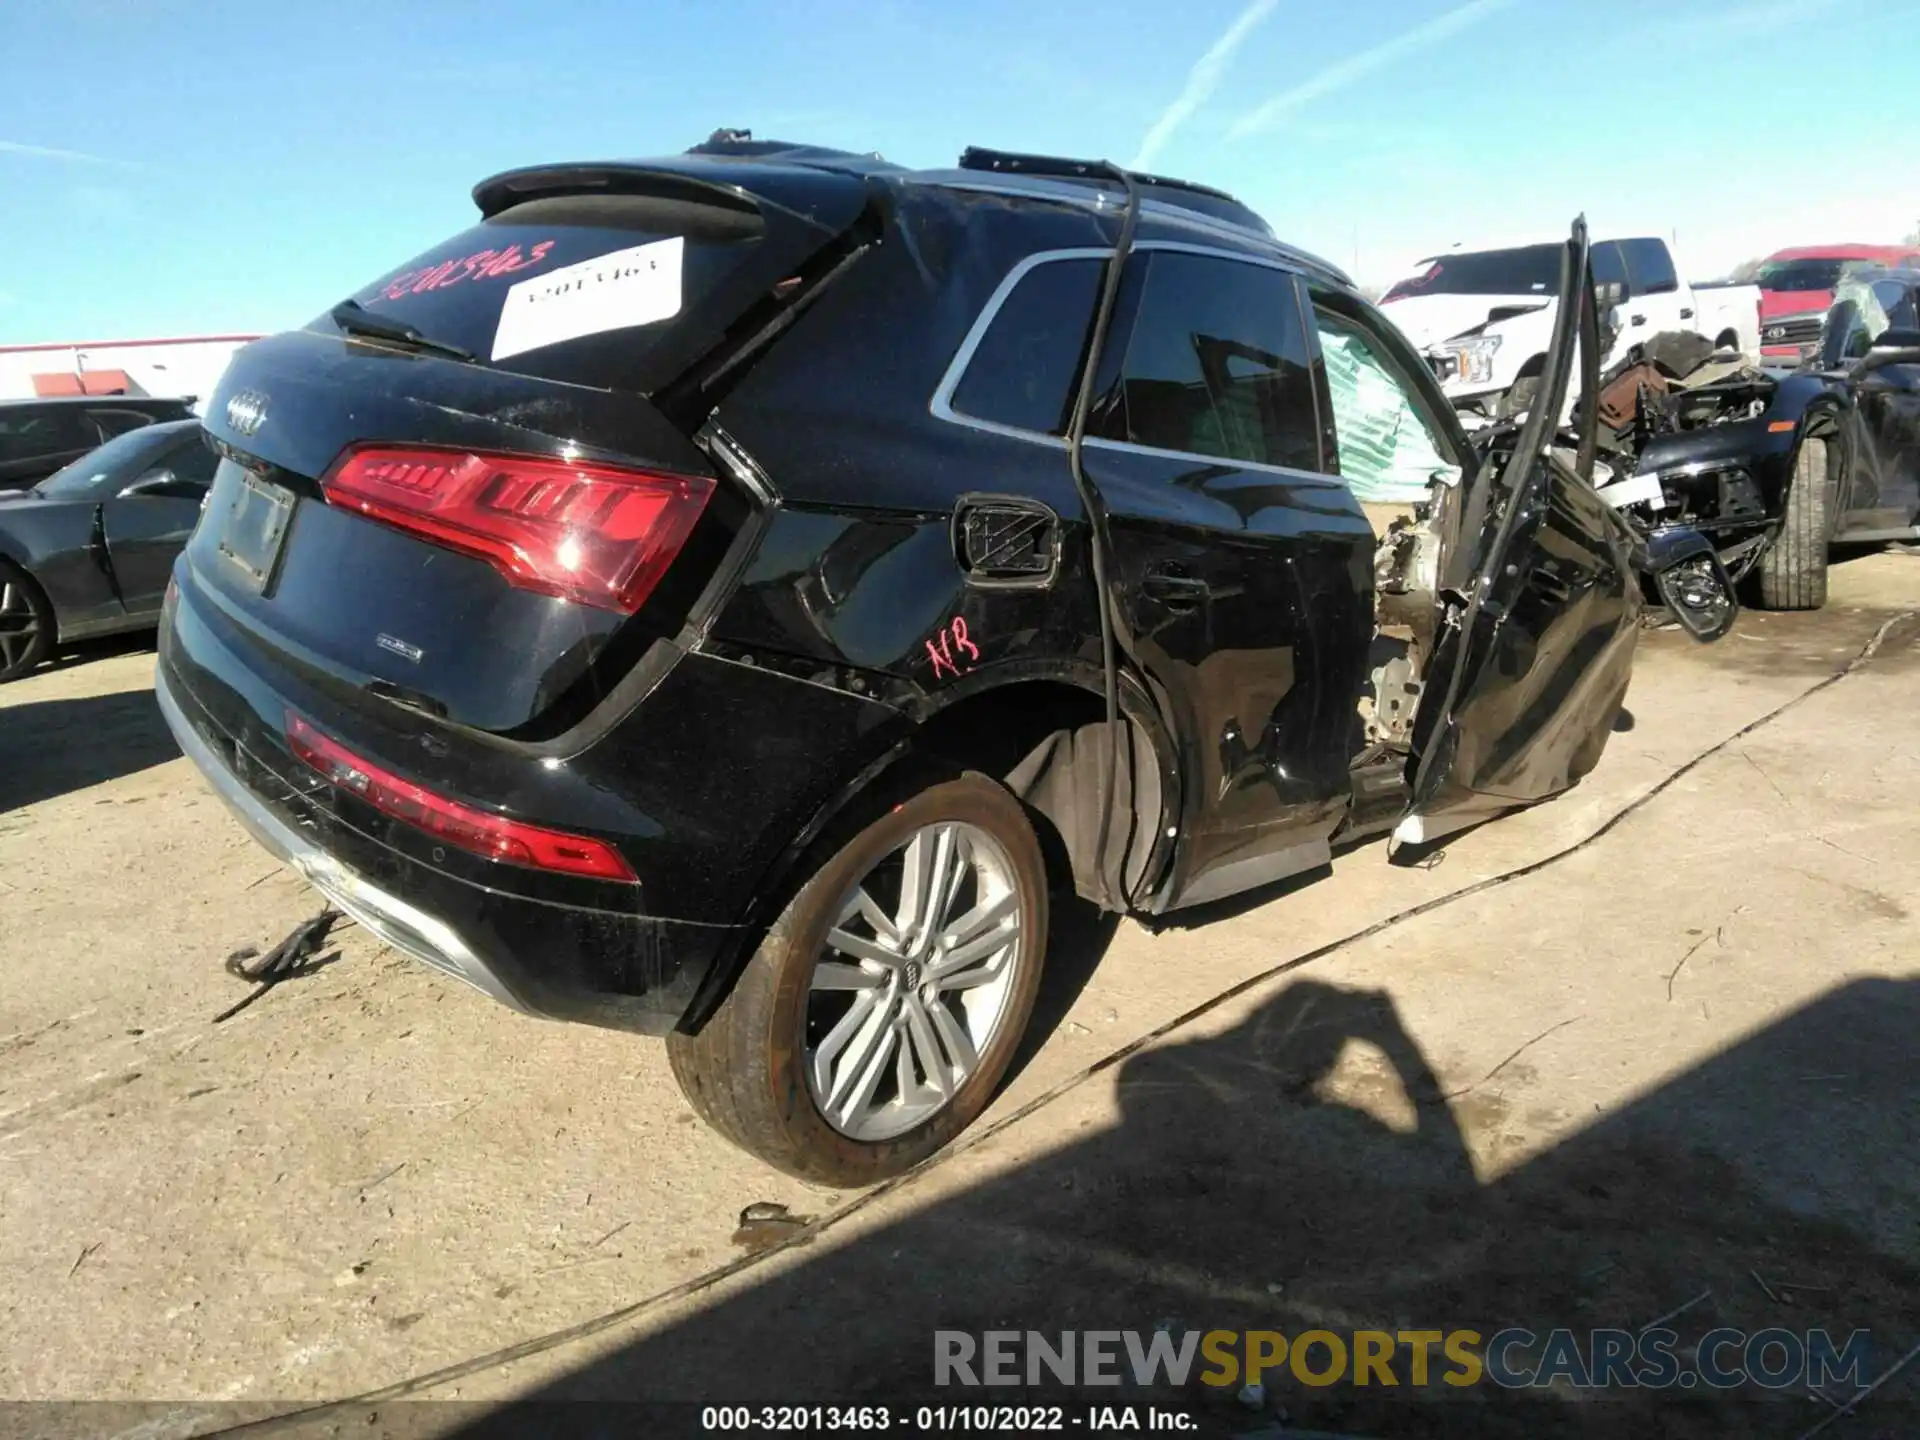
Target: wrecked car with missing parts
x=723 y=597
x=1775 y=468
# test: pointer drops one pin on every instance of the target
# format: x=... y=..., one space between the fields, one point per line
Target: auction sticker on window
x=623 y=288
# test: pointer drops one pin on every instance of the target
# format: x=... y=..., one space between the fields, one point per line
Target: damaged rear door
x=1541 y=609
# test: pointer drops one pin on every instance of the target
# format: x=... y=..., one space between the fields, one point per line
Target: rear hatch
x=474 y=488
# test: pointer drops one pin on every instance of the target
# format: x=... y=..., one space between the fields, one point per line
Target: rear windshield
x=1809 y=274
x=602 y=290
x=1528 y=270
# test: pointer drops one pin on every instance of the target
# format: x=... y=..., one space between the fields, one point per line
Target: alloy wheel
x=19 y=624
x=912 y=985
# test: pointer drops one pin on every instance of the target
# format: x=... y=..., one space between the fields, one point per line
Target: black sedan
x=87 y=551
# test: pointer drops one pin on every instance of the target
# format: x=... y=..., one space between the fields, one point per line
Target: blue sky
x=199 y=166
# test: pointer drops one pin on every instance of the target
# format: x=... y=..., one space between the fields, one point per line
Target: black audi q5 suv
x=724 y=596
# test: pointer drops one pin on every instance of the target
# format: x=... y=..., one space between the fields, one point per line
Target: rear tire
x=903 y=1080
x=26 y=623
x=1792 y=573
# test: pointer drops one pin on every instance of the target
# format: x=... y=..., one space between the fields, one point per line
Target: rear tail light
x=592 y=533
x=482 y=833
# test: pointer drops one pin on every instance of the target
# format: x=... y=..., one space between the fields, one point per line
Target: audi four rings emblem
x=246 y=412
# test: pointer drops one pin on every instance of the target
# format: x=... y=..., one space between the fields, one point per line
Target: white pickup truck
x=1484 y=317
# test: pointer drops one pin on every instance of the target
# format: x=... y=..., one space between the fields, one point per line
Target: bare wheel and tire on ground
x=882 y=1009
x=1792 y=573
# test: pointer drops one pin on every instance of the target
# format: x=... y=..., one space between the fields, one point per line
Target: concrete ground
x=1677 y=1059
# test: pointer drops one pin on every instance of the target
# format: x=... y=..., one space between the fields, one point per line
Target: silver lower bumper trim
x=403 y=926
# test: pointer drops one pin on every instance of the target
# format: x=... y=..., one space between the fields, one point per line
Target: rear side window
x=598 y=289
x=1217 y=365
x=1651 y=267
x=1022 y=372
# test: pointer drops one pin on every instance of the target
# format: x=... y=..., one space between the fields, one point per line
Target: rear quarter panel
x=858 y=567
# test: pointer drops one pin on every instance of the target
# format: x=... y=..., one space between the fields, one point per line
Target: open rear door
x=1542 y=608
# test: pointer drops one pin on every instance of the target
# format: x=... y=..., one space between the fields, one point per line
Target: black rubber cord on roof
x=1096 y=508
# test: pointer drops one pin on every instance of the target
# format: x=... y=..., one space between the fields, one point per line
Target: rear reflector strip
x=482 y=833
x=592 y=533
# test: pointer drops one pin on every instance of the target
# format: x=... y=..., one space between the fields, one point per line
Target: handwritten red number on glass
x=482 y=265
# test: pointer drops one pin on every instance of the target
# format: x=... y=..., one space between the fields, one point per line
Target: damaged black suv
x=723 y=596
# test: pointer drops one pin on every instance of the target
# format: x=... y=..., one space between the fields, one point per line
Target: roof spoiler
x=513 y=187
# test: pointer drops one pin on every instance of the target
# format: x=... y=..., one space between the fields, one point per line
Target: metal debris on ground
x=1465 y=1089
x=1841 y=1412
x=765 y=1224
x=381 y=1179
x=1677 y=1311
x=293 y=958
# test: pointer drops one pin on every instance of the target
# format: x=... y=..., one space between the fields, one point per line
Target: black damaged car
x=723 y=596
x=1776 y=467
x=87 y=552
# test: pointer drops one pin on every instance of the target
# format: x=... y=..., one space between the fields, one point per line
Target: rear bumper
x=560 y=962
x=403 y=926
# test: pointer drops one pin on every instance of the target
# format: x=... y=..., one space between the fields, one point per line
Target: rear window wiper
x=354 y=318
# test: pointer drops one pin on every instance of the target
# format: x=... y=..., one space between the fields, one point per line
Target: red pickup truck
x=1796 y=289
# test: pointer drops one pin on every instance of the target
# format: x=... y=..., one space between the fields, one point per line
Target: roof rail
x=1009 y=162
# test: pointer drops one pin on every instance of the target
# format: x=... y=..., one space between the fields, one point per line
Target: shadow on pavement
x=82 y=652
x=1241 y=1188
x=51 y=747
x=1079 y=934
